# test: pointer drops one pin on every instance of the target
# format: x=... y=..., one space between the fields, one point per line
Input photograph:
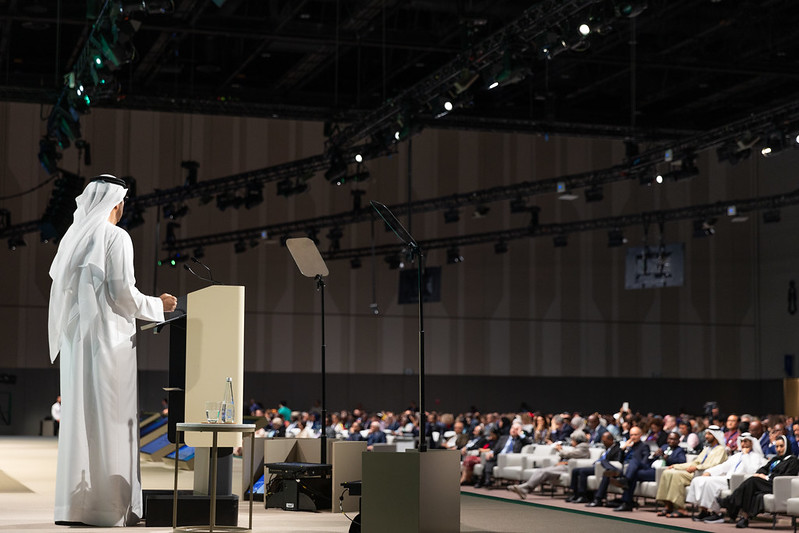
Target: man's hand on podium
x=169 y=301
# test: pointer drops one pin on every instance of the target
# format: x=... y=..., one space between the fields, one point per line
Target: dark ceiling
x=688 y=65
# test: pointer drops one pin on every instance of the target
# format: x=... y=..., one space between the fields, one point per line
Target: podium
x=206 y=345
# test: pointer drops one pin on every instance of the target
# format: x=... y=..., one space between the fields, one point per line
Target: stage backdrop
x=504 y=323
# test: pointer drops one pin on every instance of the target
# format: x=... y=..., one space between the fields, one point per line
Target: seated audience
x=667 y=455
x=704 y=489
x=676 y=478
x=510 y=443
x=633 y=450
x=731 y=434
x=459 y=439
x=471 y=453
x=579 y=481
x=594 y=429
x=758 y=430
x=375 y=436
x=580 y=450
x=355 y=432
x=560 y=431
x=687 y=437
x=541 y=430
x=747 y=499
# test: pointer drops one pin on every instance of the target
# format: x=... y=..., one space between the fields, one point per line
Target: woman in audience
x=704 y=489
x=541 y=430
x=748 y=497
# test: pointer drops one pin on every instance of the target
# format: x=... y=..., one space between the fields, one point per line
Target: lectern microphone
x=204 y=266
x=187 y=267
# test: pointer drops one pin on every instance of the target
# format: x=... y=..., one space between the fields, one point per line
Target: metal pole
x=321 y=284
x=422 y=415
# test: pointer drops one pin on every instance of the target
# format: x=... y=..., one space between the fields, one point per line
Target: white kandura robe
x=98 y=480
x=703 y=490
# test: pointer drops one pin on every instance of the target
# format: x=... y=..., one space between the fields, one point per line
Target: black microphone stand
x=415 y=250
x=320 y=286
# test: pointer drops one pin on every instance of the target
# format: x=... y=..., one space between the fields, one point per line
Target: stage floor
x=27 y=483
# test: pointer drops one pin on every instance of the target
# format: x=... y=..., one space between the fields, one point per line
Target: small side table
x=215 y=429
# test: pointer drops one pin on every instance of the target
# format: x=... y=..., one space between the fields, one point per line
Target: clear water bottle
x=228 y=410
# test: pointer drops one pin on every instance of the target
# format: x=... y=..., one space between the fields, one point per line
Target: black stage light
x=240 y=247
x=519 y=205
x=355 y=263
x=454 y=256
x=451 y=215
x=501 y=247
x=16 y=242
x=560 y=241
x=616 y=238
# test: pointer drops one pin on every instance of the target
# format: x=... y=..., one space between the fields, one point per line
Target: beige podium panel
x=346 y=460
x=426 y=486
x=214 y=351
x=790 y=390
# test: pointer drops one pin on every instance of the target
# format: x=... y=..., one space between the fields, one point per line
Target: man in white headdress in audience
x=93 y=309
x=704 y=489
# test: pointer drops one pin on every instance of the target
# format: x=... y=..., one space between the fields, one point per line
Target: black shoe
x=742 y=523
x=581 y=499
x=625 y=507
x=478 y=485
x=595 y=503
x=701 y=516
x=716 y=518
x=570 y=499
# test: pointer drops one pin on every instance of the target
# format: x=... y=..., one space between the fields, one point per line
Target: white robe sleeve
x=125 y=298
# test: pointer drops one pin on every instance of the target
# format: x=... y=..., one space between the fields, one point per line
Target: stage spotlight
x=255 y=195
x=240 y=247
x=501 y=247
x=584 y=29
x=775 y=143
x=448 y=106
x=191 y=174
x=481 y=211
x=393 y=261
x=451 y=215
x=374 y=309
x=173 y=213
x=535 y=211
x=631 y=9
x=355 y=263
x=616 y=238
x=704 y=227
x=16 y=242
x=170 y=232
x=358 y=158
x=335 y=235
x=48 y=156
x=454 y=256
x=659 y=179
x=199 y=252
x=336 y=173
x=5 y=218
x=560 y=241
x=132 y=219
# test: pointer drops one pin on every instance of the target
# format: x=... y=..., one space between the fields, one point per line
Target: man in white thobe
x=93 y=309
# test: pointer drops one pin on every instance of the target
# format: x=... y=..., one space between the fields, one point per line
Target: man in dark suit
x=669 y=454
x=510 y=443
x=594 y=429
x=579 y=483
x=633 y=449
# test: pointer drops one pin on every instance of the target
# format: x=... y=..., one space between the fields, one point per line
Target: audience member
x=541 y=430
x=472 y=452
x=55 y=413
x=542 y=475
x=510 y=443
x=633 y=450
x=637 y=470
x=375 y=436
x=758 y=431
x=579 y=481
x=594 y=429
x=747 y=499
x=731 y=433
x=560 y=431
x=687 y=437
x=705 y=489
x=676 y=478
